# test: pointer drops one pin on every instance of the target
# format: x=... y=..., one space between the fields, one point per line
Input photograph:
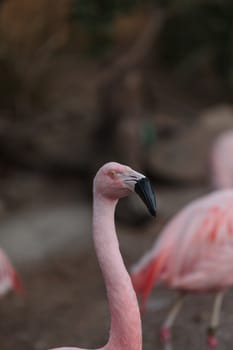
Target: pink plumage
x=222 y=161
x=9 y=279
x=112 y=182
x=194 y=252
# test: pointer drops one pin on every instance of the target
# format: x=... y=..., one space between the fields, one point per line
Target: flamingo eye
x=112 y=174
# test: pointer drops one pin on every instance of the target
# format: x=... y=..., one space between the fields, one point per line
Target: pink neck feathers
x=125 y=330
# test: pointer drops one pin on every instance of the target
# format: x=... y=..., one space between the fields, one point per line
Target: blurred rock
x=182 y=157
x=217 y=119
x=182 y=150
x=31 y=236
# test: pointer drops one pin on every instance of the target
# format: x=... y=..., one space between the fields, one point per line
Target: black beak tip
x=144 y=189
x=153 y=212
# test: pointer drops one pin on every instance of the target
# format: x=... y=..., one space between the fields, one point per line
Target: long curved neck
x=125 y=331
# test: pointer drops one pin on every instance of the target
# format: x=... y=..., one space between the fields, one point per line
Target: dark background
x=82 y=82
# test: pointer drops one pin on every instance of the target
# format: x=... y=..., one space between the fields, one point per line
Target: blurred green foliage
x=194 y=33
x=200 y=31
x=96 y=18
x=94 y=14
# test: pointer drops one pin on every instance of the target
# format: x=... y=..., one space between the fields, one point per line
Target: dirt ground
x=65 y=303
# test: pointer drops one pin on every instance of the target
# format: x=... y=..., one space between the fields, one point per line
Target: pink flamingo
x=9 y=279
x=221 y=161
x=112 y=182
x=194 y=253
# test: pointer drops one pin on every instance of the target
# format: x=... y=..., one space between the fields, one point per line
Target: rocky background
x=147 y=83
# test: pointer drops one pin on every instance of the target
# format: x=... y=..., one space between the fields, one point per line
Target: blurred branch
x=136 y=54
x=32 y=69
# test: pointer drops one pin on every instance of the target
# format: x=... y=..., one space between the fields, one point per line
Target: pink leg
x=211 y=332
x=212 y=341
x=165 y=331
x=165 y=334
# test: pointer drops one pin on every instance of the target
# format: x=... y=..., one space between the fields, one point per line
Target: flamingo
x=194 y=253
x=221 y=161
x=112 y=182
x=9 y=279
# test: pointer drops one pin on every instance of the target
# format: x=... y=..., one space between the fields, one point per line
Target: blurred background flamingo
x=221 y=169
x=9 y=279
x=194 y=253
x=221 y=177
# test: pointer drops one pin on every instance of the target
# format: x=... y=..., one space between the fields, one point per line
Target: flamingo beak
x=145 y=191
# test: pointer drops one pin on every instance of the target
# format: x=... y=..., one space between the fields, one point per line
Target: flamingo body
x=9 y=280
x=194 y=251
x=112 y=182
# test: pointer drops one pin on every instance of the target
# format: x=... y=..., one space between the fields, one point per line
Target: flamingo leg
x=168 y=346
x=165 y=333
x=214 y=322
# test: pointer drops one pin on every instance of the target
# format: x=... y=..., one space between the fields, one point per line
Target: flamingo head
x=114 y=181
